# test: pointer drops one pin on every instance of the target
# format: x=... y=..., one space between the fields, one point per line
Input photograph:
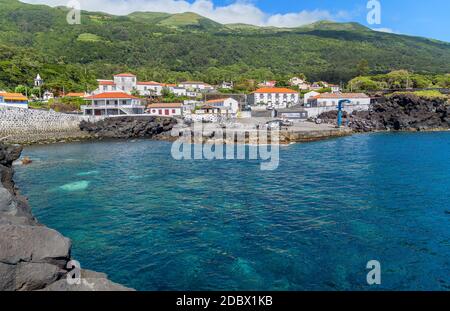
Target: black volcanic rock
x=129 y=127
x=400 y=112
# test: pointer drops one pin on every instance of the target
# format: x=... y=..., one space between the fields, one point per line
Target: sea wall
x=401 y=112
x=32 y=256
x=29 y=126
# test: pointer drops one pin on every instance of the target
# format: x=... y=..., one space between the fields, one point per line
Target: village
x=194 y=101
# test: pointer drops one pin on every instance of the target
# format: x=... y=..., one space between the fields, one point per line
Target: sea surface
x=154 y=223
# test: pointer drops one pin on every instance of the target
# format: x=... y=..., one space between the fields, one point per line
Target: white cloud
x=388 y=30
x=240 y=11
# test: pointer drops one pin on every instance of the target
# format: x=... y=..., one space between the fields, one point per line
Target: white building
x=300 y=83
x=176 y=90
x=127 y=82
x=329 y=102
x=230 y=103
x=308 y=95
x=47 y=96
x=13 y=100
x=113 y=103
x=268 y=83
x=150 y=88
x=196 y=86
x=275 y=97
x=226 y=85
x=335 y=88
x=166 y=109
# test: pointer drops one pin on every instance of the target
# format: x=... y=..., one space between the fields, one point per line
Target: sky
x=414 y=17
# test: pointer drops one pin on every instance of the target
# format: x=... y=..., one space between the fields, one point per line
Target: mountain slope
x=171 y=47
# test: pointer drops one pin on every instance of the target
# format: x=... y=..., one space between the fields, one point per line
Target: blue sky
x=421 y=18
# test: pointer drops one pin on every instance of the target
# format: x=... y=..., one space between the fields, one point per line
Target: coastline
x=33 y=256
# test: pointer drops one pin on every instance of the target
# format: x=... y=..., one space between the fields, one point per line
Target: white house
x=127 y=82
x=13 y=100
x=196 y=86
x=273 y=97
x=105 y=86
x=112 y=103
x=226 y=85
x=47 y=96
x=150 y=88
x=329 y=102
x=230 y=103
x=300 y=83
x=308 y=95
x=166 y=109
x=271 y=83
x=335 y=88
x=176 y=90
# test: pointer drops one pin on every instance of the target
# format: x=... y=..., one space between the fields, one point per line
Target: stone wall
x=28 y=126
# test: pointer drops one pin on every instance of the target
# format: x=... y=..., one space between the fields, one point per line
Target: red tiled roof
x=106 y=82
x=217 y=100
x=13 y=96
x=165 y=105
x=149 y=83
x=74 y=95
x=275 y=90
x=112 y=95
x=125 y=75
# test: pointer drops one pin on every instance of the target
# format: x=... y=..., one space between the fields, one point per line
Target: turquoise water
x=154 y=223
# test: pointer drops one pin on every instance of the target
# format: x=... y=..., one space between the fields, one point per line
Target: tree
x=364 y=84
x=21 y=89
x=362 y=68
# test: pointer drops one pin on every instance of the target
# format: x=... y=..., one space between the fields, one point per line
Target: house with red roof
x=112 y=104
x=273 y=97
x=128 y=83
x=13 y=100
x=228 y=105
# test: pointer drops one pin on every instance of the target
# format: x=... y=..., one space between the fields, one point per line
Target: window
x=173 y=110
x=160 y=111
x=114 y=88
x=154 y=110
x=105 y=88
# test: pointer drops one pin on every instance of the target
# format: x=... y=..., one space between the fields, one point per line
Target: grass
x=89 y=37
x=431 y=94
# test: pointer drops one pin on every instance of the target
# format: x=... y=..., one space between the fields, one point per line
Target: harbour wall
x=29 y=126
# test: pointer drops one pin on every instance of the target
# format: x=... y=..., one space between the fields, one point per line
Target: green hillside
x=164 y=47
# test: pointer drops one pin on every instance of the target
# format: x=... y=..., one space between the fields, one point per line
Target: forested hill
x=165 y=47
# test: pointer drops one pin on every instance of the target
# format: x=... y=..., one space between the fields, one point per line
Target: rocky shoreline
x=401 y=112
x=32 y=256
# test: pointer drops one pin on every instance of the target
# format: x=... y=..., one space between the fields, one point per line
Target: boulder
x=31 y=243
x=90 y=281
